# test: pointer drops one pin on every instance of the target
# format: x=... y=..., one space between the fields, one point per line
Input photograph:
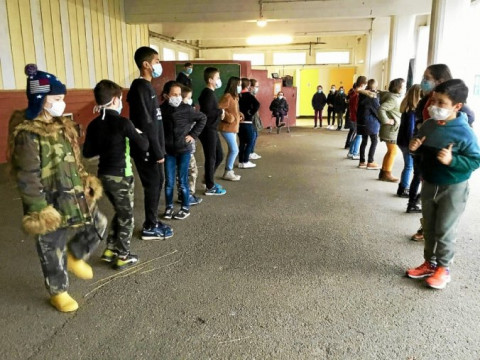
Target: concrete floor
x=302 y=259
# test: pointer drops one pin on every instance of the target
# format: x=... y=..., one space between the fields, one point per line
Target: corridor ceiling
x=217 y=20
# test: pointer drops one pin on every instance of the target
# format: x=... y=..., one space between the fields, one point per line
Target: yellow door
x=308 y=86
x=342 y=77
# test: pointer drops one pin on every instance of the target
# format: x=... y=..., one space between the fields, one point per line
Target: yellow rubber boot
x=79 y=267
x=64 y=302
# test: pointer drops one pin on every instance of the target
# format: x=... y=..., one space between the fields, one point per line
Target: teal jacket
x=465 y=151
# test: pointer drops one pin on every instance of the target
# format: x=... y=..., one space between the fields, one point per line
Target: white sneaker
x=248 y=165
x=230 y=175
x=355 y=157
x=254 y=156
x=240 y=165
x=349 y=156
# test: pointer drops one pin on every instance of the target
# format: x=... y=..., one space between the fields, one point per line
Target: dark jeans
x=152 y=177
x=173 y=164
x=413 y=195
x=213 y=153
x=330 y=113
x=350 y=136
x=371 y=151
x=246 y=136
x=255 y=136
x=318 y=116
x=278 y=118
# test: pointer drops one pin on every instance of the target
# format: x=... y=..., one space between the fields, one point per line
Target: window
x=255 y=59
x=182 y=56
x=155 y=47
x=289 y=58
x=168 y=54
x=332 y=57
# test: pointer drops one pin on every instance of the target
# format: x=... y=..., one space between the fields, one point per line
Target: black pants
x=278 y=118
x=371 y=151
x=152 y=176
x=213 y=153
x=350 y=136
x=330 y=113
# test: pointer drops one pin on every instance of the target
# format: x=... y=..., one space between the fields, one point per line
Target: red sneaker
x=440 y=278
x=424 y=270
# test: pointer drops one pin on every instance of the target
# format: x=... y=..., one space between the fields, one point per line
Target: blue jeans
x=407 y=168
x=172 y=163
x=246 y=142
x=357 y=140
x=231 y=140
x=255 y=136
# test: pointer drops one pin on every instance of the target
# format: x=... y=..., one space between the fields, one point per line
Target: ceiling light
x=261 y=22
x=269 y=40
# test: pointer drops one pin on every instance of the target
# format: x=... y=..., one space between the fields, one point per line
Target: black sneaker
x=182 y=214
x=195 y=200
x=123 y=261
x=414 y=209
x=168 y=213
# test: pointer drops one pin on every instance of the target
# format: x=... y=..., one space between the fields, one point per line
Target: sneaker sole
x=212 y=194
x=181 y=218
x=107 y=260
x=115 y=267
x=167 y=217
x=440 y=287
x=156 y=237
x=419 y=277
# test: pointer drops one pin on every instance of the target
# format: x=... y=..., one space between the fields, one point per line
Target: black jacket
x=319 y=100
x=248 y=105
x=209 y=106
x=340 y=102
x=367 y=115
x=331 y=98
x=279 y=106
x=178 y=123
x=146 y=116
x=182 y=78
x=110 y=139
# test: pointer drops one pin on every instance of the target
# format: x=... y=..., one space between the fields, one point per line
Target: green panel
x=308 y=87
x=226 y=71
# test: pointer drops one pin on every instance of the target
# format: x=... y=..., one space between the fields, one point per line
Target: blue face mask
x=157 y=70
x=189 y=71
x=319 y=91
x=341 y=91
x=427 y=85
x=119 y=109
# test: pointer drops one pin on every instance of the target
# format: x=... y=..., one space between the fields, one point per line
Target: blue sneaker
x=157 y=232
x=215 y=190
x=194 y=200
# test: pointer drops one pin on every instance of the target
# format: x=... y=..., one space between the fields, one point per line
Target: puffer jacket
x=178 y=122
x=45 y=159
x=389 y=109
x=233 y=116
x=367 y=116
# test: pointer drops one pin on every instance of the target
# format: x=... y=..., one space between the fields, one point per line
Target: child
x=146 y=116
x=58 y=196
x=229 y=126
x=279 y=108
x=192 y=167
x=330 y=111
x=248 y=105
x=257 y=122
x=212 y=148
x=319 y=100
x=339 y=106
x=449 y=153
x=179 y=136
x=109 y=136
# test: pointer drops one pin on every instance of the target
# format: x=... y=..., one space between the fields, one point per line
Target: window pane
x=255 y=59
x=289 y=58
x=332 y=57
x=182 y=56
x=168 y=54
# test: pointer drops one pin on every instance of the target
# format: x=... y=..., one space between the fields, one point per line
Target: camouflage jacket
x=45 y=159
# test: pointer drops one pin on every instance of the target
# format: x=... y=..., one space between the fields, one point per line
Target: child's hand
x=416 y=143
x=445 y=155
x=189 y=139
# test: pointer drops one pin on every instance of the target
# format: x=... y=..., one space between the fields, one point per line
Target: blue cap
x=39 y=85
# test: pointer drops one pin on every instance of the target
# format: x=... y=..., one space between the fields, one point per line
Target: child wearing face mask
x=58 y=195
x=339 y=106
x=257 y=122
x=279 y=108
x=146 y=115
x=182 y=125
x=448 y=153
x=109 y=136
x=330 y=109
x=319 y=100
x=184 y=76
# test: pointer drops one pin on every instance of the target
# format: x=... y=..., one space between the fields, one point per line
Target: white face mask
x=57 y=109
x=280 y=97
x=255 y=91
x=438 y=113
x=157 y=70
x=189 y=101
x=239 y=89
x=175 y=101
x=218 y=83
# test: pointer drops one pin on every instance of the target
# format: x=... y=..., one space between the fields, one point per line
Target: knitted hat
x=39 y=85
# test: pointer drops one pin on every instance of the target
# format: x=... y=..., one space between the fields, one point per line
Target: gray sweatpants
x=442 y=207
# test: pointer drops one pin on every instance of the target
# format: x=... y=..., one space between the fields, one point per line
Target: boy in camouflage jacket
x=58 y=196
